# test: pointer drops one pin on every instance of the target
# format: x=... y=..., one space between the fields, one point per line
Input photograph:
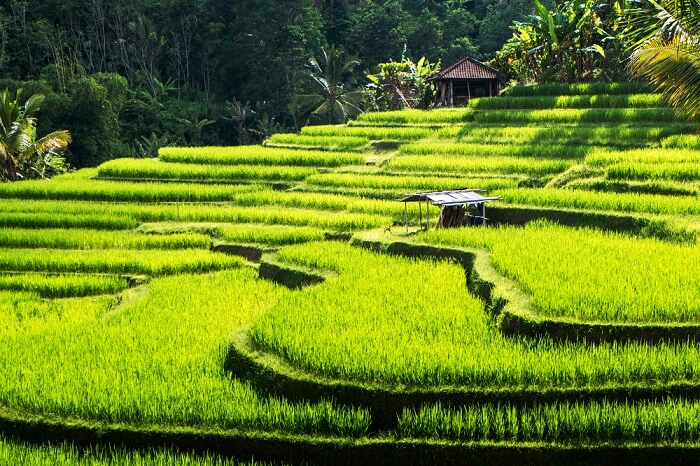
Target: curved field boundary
x=606 y=221
x=290 y=449
x=273 y=375
x=504 y=297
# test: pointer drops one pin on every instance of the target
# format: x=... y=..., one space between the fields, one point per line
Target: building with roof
x=454 y=207
x=464 y=80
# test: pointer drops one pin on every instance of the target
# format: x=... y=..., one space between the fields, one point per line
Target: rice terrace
x=266 y=302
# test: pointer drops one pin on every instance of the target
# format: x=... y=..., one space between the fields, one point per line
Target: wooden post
x=469 y=93
x=427 y=215
x=420 y=213
x=405 y=214
x=483 y=214
x=452 y=94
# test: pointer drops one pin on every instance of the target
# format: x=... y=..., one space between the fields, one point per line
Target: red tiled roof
x=466 y=68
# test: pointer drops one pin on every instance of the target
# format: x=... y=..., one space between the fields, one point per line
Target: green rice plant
x=416 y=117
x=664 y=422
x=321 y=142
x=31 y=454
x=118 y=191
x=618 y=202
x=133 y=214
x=603 y=157
x=569 y=101
x=269 y=234
x=413 y=323
x=495 y=150
x=149 y=169
x=594 y=115
x=681 y=141
x=556 y=89
x=27 y=313
x=123 y=261
x=655 y=171
x=666 y=188
x=577 y=135
x=95 y=220
x=464 y=165
x=62 y=285
x=408 y=183
x=156 y=362
x=401 y=133
x=272 y=235
x=254 y=155
x=95 y=239
x=591 y=275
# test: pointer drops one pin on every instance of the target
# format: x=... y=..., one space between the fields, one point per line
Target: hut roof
x=450 y=198
x=466 y=68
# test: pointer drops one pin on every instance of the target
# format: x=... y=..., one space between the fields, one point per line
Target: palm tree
x=22 y=155
x=330 y=102
x=667 y=50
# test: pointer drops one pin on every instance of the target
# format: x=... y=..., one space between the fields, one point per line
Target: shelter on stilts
x=465 y=80
x=460 y=207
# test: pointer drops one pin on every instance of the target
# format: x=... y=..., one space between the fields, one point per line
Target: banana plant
x=667 y=49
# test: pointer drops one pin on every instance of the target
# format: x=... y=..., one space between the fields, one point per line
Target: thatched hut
x=464 y=80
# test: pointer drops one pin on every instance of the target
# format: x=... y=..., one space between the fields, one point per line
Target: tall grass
x=255 y=155
x=149 y=169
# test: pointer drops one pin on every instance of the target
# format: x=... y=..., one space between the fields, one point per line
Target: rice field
x=466 y=165
x=321 y=142
x=65 y=188
x=150 y=169
x=403 y=338
x=115 y=312
x=543 y=151
x=622 y=136
x=155 y=361
x=587 y=115
x=253 y=155
x=669 y=422
x=633 y=285
x=570 y=101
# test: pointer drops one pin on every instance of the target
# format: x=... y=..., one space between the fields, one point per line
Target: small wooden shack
x=459 y=207
x=464 y=80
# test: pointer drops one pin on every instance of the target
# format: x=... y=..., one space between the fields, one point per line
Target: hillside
x=270 y=302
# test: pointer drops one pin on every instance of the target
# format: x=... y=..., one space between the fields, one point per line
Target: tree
x=24 y=156
x=667 y=49
x=565 y=44
x=403 y=84
x=330 y=101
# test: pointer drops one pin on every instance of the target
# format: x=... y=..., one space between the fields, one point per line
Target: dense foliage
x=130 y=76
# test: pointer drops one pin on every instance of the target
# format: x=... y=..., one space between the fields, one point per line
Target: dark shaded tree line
x=124 y=76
